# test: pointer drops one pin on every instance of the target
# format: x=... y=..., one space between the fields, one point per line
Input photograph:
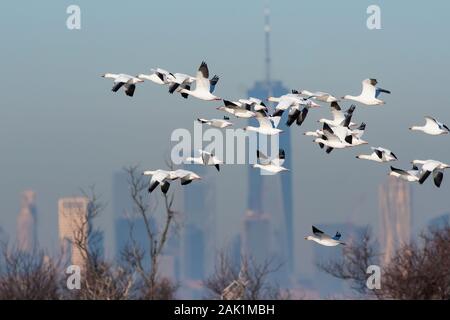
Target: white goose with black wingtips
x=431 y=167
x=162 y=177
x=379 y=154
x=272 y=165
x=432 y=127
x=206 y=159
x=123 y=80
x=324 y=239
x=202 y=85
x=369 y=94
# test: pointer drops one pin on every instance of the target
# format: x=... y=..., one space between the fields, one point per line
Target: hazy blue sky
x=62 y=128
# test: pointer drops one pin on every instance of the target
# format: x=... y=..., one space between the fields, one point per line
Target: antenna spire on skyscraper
x=267 y=43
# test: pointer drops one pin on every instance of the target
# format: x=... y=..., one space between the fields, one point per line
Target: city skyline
x=80 y=133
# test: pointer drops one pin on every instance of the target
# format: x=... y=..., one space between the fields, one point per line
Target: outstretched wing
x=264 y=122
x=202 y=81
x=283 y=104
x=302 y=116
x=378 y=152
x=130 y=90
x=336 y=110
x=317 y=232
x=156 y=179
x=368 y=88
x=262 y=158
x=293 y=116
x=431 y=122
x=337 y=236
x=378 y=91
x=206 y=156
x=212 y=83
x=438 y=175
x=117 y=86
x=400 y=171
x=424 y=176
x=230 y=104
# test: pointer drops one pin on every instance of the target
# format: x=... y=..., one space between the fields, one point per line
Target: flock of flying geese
x=337 y=133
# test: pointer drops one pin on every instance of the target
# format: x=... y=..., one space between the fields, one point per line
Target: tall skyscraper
x=72 y=226
x=395 y=214
x=272 y=195
x=199 y=218
x=256 y=242
x=27 y=222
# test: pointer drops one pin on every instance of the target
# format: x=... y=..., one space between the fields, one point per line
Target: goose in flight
x=202 y=85
x=410 y=175
x=254 y=103
x=379 y=155
x=158 y=76
x=431 y=166
x=357 y=132
x=272 y=165
x=125 y=80
x=162 y=177
x=432 y=127
x=324 y=239
x=217 y=123
x=238 y=109
x=333 y=141
x=339 y=117
x=292 y=100
x=206 y=159
x=319 y=96
x=267 y=125
x=369 y=94
x=343 y=131
x=317 y=133
x=184 y=81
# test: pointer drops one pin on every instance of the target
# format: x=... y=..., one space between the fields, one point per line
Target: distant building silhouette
x=440 y=221
x=27 y=222
x=256 y=237
x=72 y=226
x=122 y=206
x=199 y=218
x=96 y=244
x=395 y=215
x=272 y=195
